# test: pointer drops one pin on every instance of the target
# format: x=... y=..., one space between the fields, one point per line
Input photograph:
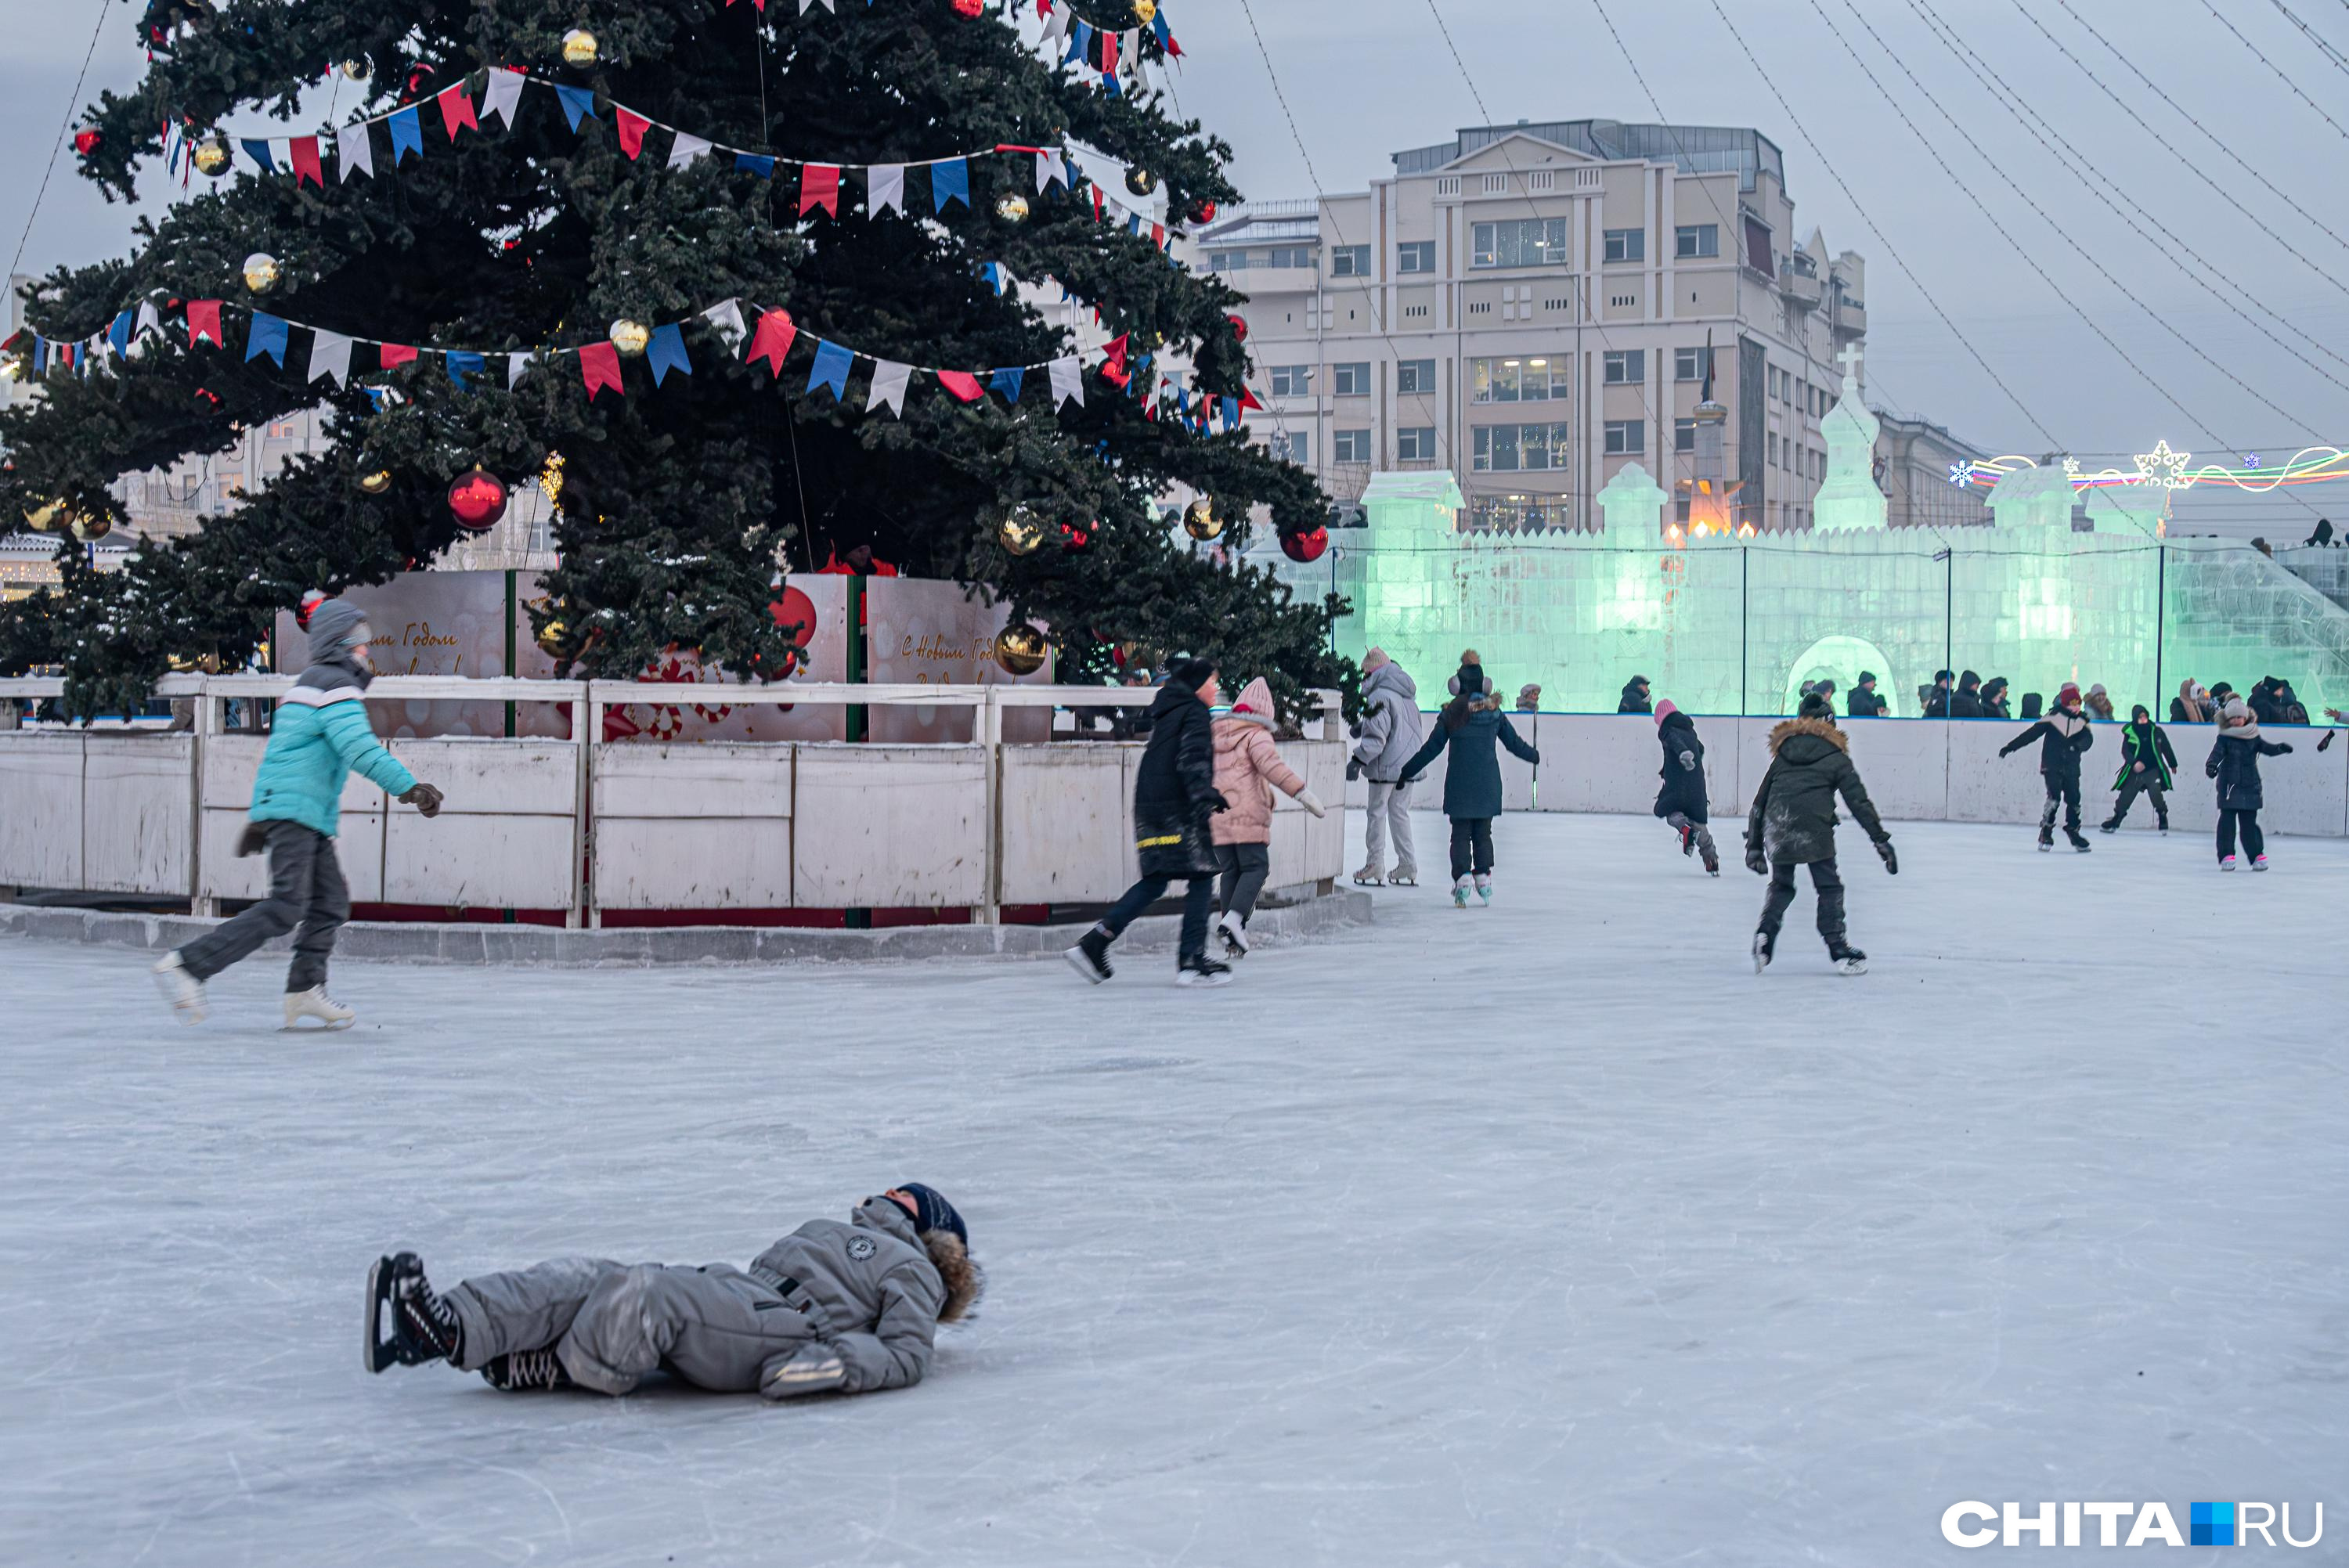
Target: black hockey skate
x=1765 y=946
x=521 y=1370
x=406 y=1324
x=2114 y=826
x=1201 y=970
x=1847 y=959
x=1090 y=956
x=2078 y=840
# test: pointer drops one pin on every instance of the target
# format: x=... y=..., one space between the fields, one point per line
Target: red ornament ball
x=796 y=612
x=478 y=499
x=1204 y=213
x=1240 y=328
x=1306 y=546
x=969 y=7
x=1075 y=538
x=85 y=140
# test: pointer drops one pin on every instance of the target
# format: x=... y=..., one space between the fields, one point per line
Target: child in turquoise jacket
x=320 y=736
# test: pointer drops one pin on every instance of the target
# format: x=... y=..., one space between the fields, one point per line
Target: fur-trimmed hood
x=1818 y=728
x=964 y=1281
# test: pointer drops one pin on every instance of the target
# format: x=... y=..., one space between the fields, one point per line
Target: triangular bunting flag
x=515 y=364
x=204 y=322
x=1007 y=381
x=1056 y=28
x=407 y=128
x=1247 y=399
x=725 y=318
x=820 y=187
x=392 y=356
x=1068 y=381
x=1115 y=350
x=503 y=95
x=257 y=149
x=1109 y=54
x=330 y=355
x=1166 y=38
x=686 y=149
x=354 y=151
x=667 y=352
x=632 y=130
x=461 y=363
x=303 y=151
x=772 y=339
x=119 y=333
x=806 y=5
x=1231 y=407
x=962 y=383
x=950 y=182
x=833 y=364
x=456 y=110
x=599 y=367
x=1048 y=170
x=753 y=163
x=1081 y=42
x=885 y=189
x=888 y=389
x=578 y=104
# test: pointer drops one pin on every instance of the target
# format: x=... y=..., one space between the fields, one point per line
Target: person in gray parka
x=1390 y=734
x=834 y=1307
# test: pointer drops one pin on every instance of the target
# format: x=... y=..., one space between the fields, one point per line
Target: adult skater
x=1391 y=731
x=1472 y=724
x=1792 y=823
x=1249 y=768
x=2062 y=736
x=1174 y=795
x=833 y=1308
x=2147 y=766
x=1864 y=703
x=320 y=735
x=1635 y=696
x=1681 y=800
x=2235 y=763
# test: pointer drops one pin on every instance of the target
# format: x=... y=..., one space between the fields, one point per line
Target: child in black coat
x=2147 y=766
x=2062 y=736
x=1681 y=800
x=2235 y=763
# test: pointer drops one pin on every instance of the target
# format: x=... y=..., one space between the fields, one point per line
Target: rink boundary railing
x=1096 y=810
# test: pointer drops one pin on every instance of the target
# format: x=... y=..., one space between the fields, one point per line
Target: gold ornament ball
x=376 y=482
x=86 y=528
x=1141 y=182
x=43 y=516
x=579 y=48
x=550 y=639
x=1019 y=649
x=1145 y=11
x=355 y=69
x=211 y=156
x=631 y=336
x=260 y=272
x=1022 y=532
x=1201 y=521
x=1012 y=207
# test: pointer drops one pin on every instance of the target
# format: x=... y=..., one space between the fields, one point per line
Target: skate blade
x=1852 y=966
x=1083 y=966
x=1370 y=881
x=1190 y=978
x=322 y=1027
x=374 y=1355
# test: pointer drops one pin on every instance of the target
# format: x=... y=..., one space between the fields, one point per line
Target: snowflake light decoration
x=2163 y=467
x=1961 y=473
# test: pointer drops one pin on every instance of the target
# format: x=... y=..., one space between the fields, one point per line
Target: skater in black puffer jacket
x=2147 y=766
x=2235 y=763
x=1792 y=823
x=2064 y=736
x=1681 y=800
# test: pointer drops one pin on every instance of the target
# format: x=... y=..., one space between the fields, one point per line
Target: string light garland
x=2164 y=467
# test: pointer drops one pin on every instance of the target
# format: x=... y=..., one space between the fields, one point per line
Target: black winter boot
x=407 y=1323
x=522 y=1369
x=1847 y=959
x=1090 y=956
x=2078 y=841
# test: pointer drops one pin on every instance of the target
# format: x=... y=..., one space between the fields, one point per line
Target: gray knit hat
x=337 y=625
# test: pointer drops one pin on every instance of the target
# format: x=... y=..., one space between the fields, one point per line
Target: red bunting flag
x=1109 y=53
x=1247 y=399
x=820 y=187
x=305 y=150
x=632 y=130
x=457 y=110
x=203 y=321
x=772 y=339
x=395 y=354
x=964 y=386
x=1114 y=349
x=1097 y=204
x=599 y=367
x=1158 y=235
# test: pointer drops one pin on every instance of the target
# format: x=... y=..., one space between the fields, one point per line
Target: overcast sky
x=1371 y=76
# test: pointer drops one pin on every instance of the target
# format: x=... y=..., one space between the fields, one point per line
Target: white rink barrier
x=536 y=823
x=1916 y=769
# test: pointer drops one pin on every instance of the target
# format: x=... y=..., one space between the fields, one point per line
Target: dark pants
x=2140 y=784
x=1472 y=846
x=1245 y=868
x=1824 y=878
x=305 y=891
x=2255 y=843
x=2062 y=790
x=1197 y=897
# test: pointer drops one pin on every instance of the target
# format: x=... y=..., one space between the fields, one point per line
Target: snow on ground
x=1541 y=1234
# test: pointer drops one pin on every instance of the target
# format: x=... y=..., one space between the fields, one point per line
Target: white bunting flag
x=1048 y=169
x=330 y=355
x=515 y=364
x=354 y=151
x=504 y=93
x=886 y=190
x=1056 y=28
x=687 y=149
x=1068 y=381
x=889 y=387
x=807 y=6
x=281 y=153
x=726 y=317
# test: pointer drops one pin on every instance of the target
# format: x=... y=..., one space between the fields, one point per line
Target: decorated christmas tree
x=745 y=272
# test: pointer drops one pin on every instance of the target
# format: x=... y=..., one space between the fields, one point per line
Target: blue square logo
x=2210 y=1525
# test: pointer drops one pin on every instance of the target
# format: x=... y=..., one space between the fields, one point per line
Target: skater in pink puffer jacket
x=1247 y=770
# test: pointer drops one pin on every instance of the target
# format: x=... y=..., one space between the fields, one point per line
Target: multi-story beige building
x=1529 y=306
x=1917 y=464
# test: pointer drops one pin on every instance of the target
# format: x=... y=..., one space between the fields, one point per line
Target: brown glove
x=425 y=798
x=253 y=841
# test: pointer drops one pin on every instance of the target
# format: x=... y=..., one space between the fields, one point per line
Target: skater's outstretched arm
x=1428 y=750
x=1516 y=745
x=2025 y=738
x=2272 y=748
x=347 y=731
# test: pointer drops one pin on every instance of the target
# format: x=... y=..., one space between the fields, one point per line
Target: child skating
x=2147 y=765
x=1681 y=800
x=2062 y=736
x=2235 y=763
x=1473 y=725
x=833 y=1308
x=319 y=736
x=1792 y=823
x=1249 y=768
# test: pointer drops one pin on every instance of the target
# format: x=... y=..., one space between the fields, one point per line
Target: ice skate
x=1763 y=946
x=1403 y=879
x=1460 y=893
x=1485 y=891
x=2226 y=863
x=2077 y=842
x=2047 y=840
x=519 y=1370
x=1201 y=970
x=1688 y=842
x=316 y=1004
x=2259 y=862
x=2112 y=827
x=1847 y=959
x=406 y=1324
x=1235 y=935
x=2162 y=826
x=1090 y=956
x=179 y=988
x=1368 y=877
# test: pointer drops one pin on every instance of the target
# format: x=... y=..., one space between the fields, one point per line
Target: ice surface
x=1545 y=1233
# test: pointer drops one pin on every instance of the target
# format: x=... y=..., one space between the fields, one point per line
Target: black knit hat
x=1192 y=673
x=1866 y=676
x=933 y=1213
x=1816 y=706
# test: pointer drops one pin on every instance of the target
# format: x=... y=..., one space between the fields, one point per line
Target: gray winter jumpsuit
x=833 y=1306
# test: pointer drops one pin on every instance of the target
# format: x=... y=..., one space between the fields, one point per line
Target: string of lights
x=2165 y=468
x=58 y=141
x=2260 y=55
x=2324 y=44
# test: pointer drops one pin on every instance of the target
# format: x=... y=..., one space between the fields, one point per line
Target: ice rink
x=1545 y=1233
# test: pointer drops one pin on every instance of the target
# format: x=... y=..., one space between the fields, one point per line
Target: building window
x=1510 y=448
x=1292 y=380
x=1415 y=375
x=1415 y=256
x=1300 y=445
x=1694 y=241
x=1623 y=437
x=1624 y=367
x=1530 y=243
x=1415 y=444
x=1518 y=380
x=1414 y=312
x=1349 y=261
x=1627 y=245
x=1225 y=260
x=1687 y=363
x=1541 y=180
x=1564 y=303
x=1684 y=434
x=1773 y=450
x=1353 y=446
x=1350 y=380
x=1495 y=184
x=1623 y=302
